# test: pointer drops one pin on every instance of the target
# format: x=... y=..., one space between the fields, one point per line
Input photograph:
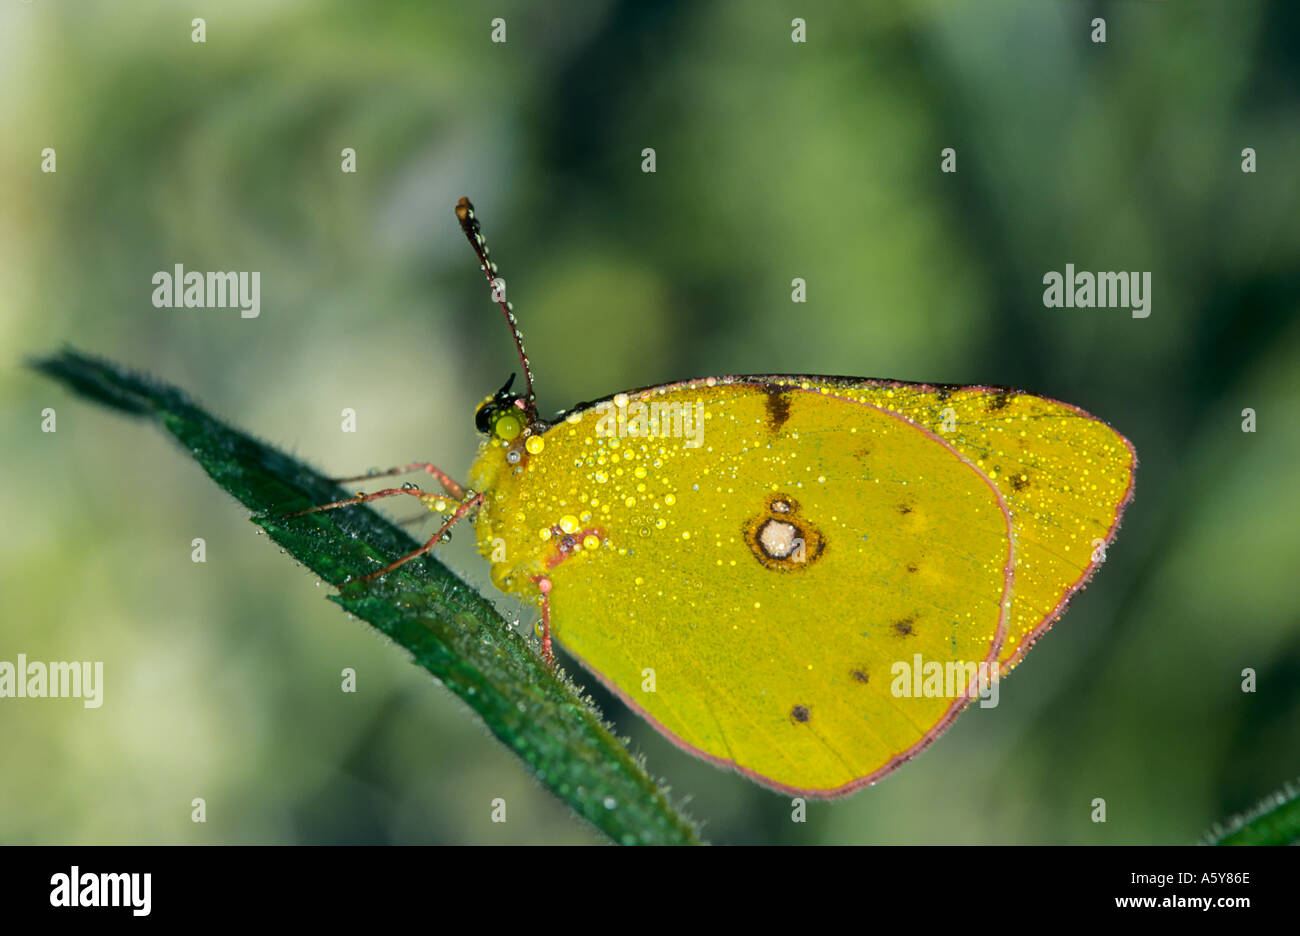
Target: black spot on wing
x=905 y=627
x=778 y=407
x=1000 y=398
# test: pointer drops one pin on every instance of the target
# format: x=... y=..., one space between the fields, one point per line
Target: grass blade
x=1273 y=821
x=449 y=629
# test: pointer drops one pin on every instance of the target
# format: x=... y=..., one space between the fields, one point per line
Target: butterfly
x=804 y=579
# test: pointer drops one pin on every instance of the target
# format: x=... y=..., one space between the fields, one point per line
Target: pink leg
x=544 y=586
x=460 y=513
x=362 y=499
x=461 y=510
x=449 y=484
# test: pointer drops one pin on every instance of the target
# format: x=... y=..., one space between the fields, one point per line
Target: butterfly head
x=504 y=415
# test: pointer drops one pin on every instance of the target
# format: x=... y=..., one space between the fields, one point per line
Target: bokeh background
x=775 y=160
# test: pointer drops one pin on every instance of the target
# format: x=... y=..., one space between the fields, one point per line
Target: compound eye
x=483 y=418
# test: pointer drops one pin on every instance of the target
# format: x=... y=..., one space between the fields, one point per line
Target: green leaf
x=449 y=629
x=1273 y=821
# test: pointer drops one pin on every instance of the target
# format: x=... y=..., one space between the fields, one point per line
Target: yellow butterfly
x=803 y=579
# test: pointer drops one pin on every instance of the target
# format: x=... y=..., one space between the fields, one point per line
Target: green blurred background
x=774 y=160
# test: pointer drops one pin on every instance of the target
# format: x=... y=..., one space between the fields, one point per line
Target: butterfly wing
x=769 y=572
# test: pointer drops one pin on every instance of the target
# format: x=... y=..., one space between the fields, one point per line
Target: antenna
x=469 y=224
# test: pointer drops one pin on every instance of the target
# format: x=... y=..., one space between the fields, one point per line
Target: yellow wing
x=1065 y=475
x=761 y=566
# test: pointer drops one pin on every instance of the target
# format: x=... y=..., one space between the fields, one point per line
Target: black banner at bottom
x=939 y=887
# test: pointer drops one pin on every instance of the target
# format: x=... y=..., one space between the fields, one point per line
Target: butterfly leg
x=432 y=501
x=449 y=484
x=365 y=499
x=459 y=514
x=544 y=586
